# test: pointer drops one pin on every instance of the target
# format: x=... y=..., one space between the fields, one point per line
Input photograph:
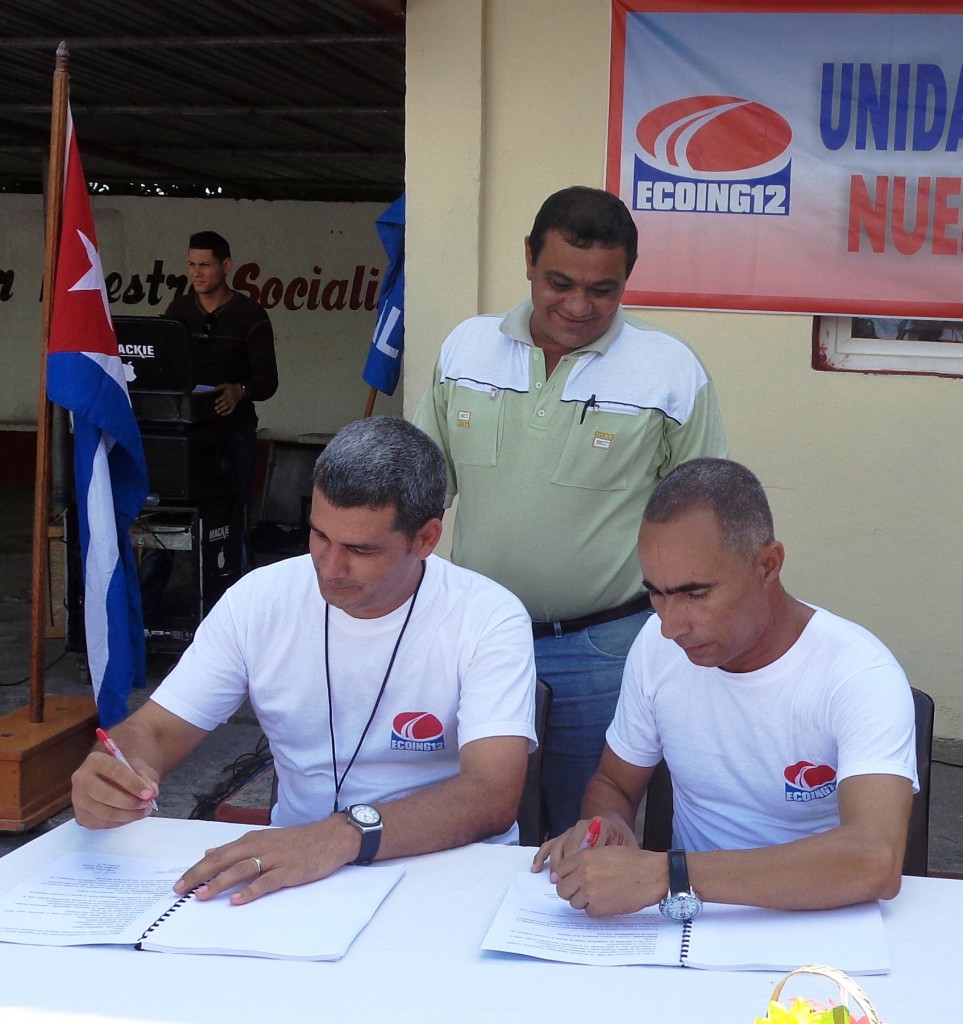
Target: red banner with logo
x=791 y=157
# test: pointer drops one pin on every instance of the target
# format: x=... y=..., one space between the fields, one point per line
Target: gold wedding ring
x=257 y=864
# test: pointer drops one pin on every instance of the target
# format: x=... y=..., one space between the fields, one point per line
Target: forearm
x=452 y=814
x=605 y=799
x=259 y=387
x=106 y=792
x=472 y=806
x=859 y=860
x=834 y=869
x=263 y=382
x=479 y=802
x=149 y=738
x=445 y=816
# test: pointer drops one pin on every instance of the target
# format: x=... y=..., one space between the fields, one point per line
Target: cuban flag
x=85 y=375
x=383 y=366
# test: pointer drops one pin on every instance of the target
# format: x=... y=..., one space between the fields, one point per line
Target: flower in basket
x=808 y=1011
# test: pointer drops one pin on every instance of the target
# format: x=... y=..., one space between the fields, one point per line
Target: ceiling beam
x=196 y=42
x=162 y=110
x=354 y=153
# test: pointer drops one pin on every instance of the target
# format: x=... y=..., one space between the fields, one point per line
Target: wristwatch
x=681 y=903
x=367 y=820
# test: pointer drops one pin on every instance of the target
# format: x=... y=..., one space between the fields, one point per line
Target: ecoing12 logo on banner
x=713 y=154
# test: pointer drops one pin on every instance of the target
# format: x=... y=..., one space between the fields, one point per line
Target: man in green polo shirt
x=557 y=421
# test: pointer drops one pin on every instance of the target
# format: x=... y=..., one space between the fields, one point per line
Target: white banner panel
x=791 y=157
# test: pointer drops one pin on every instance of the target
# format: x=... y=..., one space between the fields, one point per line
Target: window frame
x=836 y=349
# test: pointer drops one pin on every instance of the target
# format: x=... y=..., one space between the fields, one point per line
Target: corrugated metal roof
x=296 y=99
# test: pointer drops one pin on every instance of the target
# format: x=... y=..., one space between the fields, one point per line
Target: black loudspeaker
x=191 y=550
x=286 y=506
x=287 y=486
x=179 y=427
x=185 y=464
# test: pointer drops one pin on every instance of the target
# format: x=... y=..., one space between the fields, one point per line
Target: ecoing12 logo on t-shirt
x=417 y=730
x=806 y=781
x=713 y=154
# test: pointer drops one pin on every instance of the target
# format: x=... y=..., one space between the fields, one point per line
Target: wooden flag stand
x=40 y=746
x=38 y=758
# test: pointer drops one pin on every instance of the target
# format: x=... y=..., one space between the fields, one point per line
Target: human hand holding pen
x=111 y=747
x=107 y=791
x=591 y=836
x=584 y=835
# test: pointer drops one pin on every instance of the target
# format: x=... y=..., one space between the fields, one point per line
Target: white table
x=419 y=960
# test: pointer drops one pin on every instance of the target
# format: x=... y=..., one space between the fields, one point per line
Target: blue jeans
x=584 y=670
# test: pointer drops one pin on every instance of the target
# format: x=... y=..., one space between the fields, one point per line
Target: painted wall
x=317 y=268
x=507 y=103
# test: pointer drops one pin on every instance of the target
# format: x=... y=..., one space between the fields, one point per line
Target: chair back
x=657 y=824
x=915 y=860
x=531 y=817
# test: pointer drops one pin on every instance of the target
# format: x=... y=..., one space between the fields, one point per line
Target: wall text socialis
x=317 y=291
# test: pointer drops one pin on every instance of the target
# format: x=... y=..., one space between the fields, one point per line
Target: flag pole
x=41 y=503
x=369 y=405
x=41 y=746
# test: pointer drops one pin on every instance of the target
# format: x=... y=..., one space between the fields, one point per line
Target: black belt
x=623 y=611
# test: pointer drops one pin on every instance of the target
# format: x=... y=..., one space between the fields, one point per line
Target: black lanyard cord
x=339 y=782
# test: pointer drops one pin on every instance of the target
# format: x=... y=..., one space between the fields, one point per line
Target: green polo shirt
x=553 y=473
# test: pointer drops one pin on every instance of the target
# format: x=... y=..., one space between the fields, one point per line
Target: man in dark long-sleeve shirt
x=232 y=347
x=232 y=351
x=231 y=335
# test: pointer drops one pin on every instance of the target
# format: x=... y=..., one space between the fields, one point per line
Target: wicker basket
x=848 y=990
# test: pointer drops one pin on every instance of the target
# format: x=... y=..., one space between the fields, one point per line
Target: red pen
x=592 y=834
x=111 y=747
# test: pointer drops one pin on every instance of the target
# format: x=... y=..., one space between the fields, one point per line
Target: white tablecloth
x=419 y=960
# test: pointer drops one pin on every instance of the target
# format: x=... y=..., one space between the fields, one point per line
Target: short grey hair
x=381 y=462
x=732 y=492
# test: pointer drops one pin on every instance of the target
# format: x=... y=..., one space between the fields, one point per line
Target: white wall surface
x=507 y=103
x=321 y=351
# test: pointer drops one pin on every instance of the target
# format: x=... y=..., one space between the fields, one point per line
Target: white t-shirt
x=756 y=756
x=464 y=671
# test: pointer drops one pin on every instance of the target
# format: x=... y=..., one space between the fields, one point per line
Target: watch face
x=681 y=906
x=365 y=815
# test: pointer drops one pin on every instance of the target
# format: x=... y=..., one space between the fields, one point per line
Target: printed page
x=85 y=898
x=751 y=938
x=535 y=921
x=317 y=921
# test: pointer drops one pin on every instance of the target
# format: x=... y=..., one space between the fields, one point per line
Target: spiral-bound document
x=84 y=898
x=533 y=920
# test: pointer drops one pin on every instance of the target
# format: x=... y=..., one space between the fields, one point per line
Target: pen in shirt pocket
x=590 y=404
